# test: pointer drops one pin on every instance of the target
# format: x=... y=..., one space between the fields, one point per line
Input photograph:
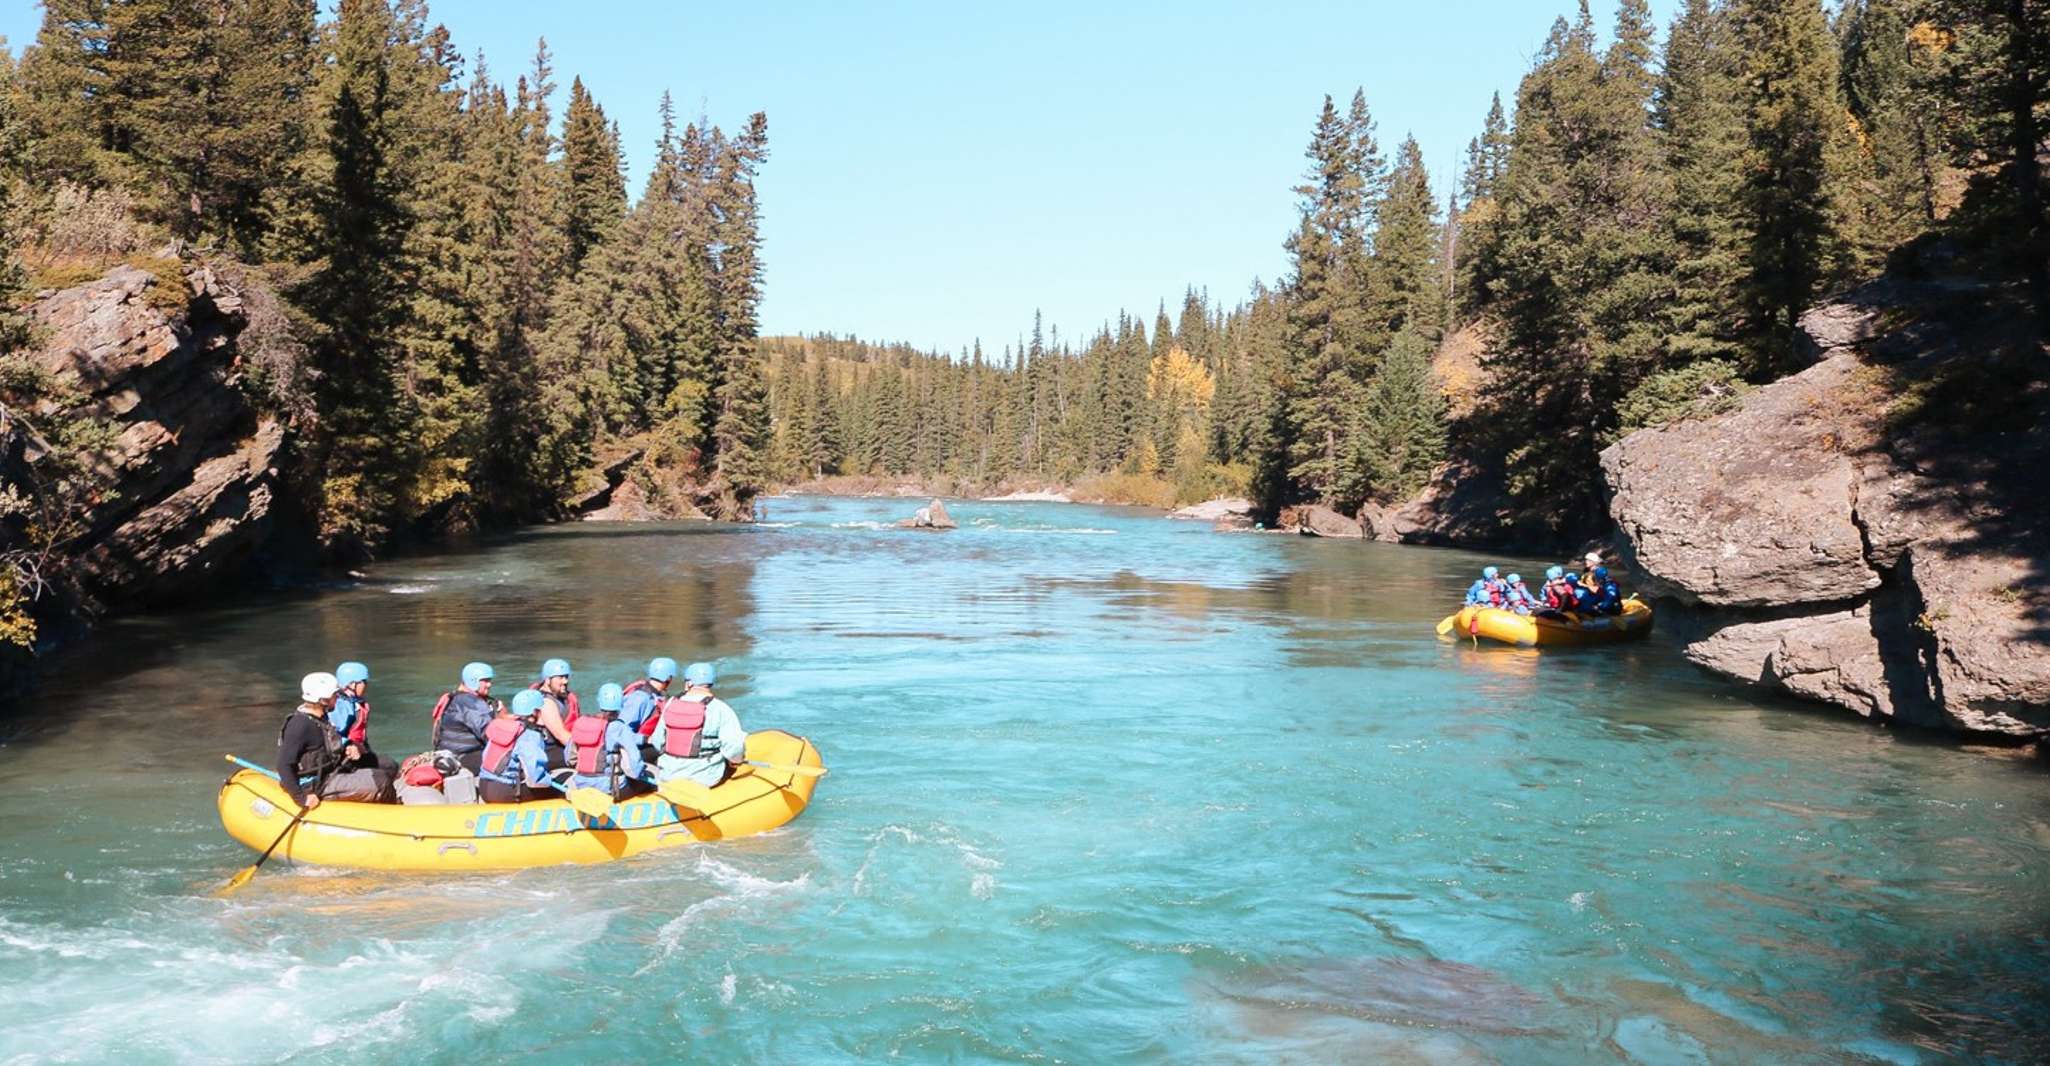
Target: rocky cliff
x=1871 y=531
x=191 y=474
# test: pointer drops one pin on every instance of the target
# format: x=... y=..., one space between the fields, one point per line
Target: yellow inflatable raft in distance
x=387 y=836
x=1530 y=631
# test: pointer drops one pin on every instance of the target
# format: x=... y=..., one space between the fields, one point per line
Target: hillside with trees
x=471 y=302
x=456 y=311
x=1634 y=242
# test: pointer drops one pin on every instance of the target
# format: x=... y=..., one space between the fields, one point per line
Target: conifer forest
x=465 y=314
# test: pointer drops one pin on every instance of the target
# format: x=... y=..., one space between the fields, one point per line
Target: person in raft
x=313 y=755
x=1520 y=598
x=644 y=696
x=558 y=711
x=697 y=736
x=1489 y=591
x=1557 y=595
x=461 y=715
x=1598 y=593
x=351 y=715
x=514 y=766
x=604 y=752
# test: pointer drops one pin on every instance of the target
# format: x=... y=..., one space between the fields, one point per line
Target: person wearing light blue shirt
x=514 y=765
x=720 y=744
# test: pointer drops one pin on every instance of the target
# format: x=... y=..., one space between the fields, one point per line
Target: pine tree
x=1797 y=153
x=356 y=294
x=1406 y=250
x=1400 y=439
x=1888 y=77
x=1700 y=111
x=1996 y=59
x=594 y=174
x=1579 y=248
x=1326 y=366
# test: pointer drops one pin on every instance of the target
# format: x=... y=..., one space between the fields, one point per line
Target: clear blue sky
x=937 y=172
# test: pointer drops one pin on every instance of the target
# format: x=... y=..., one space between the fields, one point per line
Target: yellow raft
x=386 y=836
x=1530 y=631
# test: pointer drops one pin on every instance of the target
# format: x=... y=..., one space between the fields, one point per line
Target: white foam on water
x=409 y=590
x=862 y=525
x=728 y=986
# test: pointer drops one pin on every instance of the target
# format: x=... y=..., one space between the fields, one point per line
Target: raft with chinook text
x=385 y=836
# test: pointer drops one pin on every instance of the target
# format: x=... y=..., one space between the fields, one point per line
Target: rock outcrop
x=932 y=516
x=1317 y=520
x=1871 y=531
x=1216 y=510
x=193 y=470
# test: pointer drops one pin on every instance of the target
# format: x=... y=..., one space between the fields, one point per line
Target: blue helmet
x=1489 y=572
x=1601 y=573
x=527 y=703
x=610 y=697
x=701 y=674
x=1554 y=573
x=351 y=672
x=476 y=672
x=1516 y=579
x=554 y=668
x=661 y=669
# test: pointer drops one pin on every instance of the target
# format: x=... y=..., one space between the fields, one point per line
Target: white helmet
x=314 y=688
x=1593 y=559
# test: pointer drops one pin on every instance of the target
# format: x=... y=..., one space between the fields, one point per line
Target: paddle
x=682 y=793
x=591 y=802
x=1445 y=627
x=247 y=873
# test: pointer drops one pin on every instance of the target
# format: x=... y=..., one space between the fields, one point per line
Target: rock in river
x=932 y=516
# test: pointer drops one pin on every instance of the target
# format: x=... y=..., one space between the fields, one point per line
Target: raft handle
x=464 y=844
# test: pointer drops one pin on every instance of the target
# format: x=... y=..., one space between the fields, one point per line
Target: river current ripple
x=1104 y=787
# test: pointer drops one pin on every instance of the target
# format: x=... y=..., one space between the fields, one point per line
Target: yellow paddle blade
x=686 y=794
x=1445 y=626
x=590 y=802
x=801 y=771
x=241 y=878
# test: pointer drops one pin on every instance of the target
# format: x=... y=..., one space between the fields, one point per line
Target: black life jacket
x=499 y=738
x=588 y=734
x=568 y=700
x=328 y=758
x=685 y=721
x=441 y=707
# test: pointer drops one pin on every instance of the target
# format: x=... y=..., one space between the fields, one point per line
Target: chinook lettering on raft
x=516 y=822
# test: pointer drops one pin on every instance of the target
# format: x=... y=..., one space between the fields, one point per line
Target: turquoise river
x=1105 y=788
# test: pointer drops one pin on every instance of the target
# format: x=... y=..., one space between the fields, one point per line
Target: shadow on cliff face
x=1968 y=412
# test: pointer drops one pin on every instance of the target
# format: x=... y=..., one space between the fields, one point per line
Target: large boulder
x=1317 y=520
x=1870 y=532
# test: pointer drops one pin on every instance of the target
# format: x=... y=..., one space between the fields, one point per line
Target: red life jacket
x=588 y=734
x=647 y=724
x=570 y=714
x=1559 y=595
x=1498 y=594
x=499 y=738
x=359 y=730
x=685 y=720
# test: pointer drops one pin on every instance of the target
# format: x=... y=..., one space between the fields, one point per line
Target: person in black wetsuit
x=312 y=754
